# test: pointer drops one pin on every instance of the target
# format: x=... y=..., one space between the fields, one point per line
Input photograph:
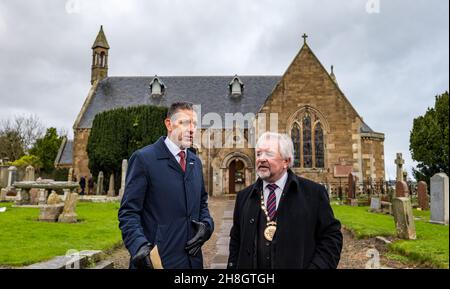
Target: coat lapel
x=293 y=200
x=165 y=154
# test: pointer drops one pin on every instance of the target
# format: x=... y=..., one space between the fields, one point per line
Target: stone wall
x=80 y=156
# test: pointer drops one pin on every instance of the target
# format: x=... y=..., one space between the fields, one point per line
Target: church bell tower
x=100 y=50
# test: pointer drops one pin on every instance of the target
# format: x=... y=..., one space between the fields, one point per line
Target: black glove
x=202 y=235
x=142 y=258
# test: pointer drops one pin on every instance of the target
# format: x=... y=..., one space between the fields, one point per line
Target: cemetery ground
x=24 y=240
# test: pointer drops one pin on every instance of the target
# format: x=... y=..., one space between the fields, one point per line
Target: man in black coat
x=82 y=184
x=283 y=221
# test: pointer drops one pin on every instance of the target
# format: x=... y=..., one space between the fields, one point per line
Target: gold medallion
x=270 y=230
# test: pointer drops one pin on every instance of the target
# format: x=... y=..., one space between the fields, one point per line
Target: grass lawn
x=431 y=247
x=24 y=240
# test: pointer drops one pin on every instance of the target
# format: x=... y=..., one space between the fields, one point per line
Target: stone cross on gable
x=399 y=161
x=304 y=36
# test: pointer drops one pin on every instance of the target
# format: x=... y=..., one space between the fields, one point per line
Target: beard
x=264 y=174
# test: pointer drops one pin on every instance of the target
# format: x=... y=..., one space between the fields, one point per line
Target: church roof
x=101 y=41
x=212 y=92
x=64 y=156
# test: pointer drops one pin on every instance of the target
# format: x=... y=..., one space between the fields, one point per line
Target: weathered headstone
x=401 y=189
x=54 y=199
x=3 y=195
x=351 y=186
x=34 y=196
x=29 y=174
x=111 y=191
x=399 y=161
x=422 y=195
x=12 y=175
x=375 y=204
x=404 y=218
x=70 y=176
x=50 y=213
x=23 y=197
x=100 y=180
x=68 y=215
x=439 y=199
x=123 y=179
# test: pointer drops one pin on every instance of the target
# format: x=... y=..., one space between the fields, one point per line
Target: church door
x=236 y=176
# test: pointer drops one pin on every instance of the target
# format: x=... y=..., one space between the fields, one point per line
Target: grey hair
x=286 y=147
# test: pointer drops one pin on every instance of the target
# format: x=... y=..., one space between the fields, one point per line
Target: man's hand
x=142 y=258
x=202 y=235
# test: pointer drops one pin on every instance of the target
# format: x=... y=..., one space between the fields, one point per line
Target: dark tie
x=182 y=156
x=272 y=201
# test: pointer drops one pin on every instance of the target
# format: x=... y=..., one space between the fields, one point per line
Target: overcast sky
x=391 y=57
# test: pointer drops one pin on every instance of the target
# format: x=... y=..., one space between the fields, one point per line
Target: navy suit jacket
x=159 y=203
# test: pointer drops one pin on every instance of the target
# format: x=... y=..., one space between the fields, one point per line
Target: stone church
x=330 y=138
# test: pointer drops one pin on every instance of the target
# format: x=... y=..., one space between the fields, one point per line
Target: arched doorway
x=236 y=176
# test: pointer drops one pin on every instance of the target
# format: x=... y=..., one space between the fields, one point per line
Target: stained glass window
x=307 y=145
x=318 y=145
x=295 y=134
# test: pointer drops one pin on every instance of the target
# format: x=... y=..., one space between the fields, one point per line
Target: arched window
x=318 y=145
x=295 y=134
x=307 y=142
x=308 y=137
x=102 y=59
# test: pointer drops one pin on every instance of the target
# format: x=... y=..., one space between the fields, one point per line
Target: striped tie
x=272 y=201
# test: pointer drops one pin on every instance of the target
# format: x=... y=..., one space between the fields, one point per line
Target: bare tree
x=19 y=134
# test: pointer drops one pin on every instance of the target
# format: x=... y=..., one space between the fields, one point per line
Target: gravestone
x=50 y=213
x=34 y=197
x=404 y=218
x=68 y=215
x=439 y=199
x=54 y=199
x=23 y=197
x=123 y=179
x=111 y=192
x=375 y=204
x=399 y=161
x=29 y=174
x=3 y=195
x=422 y=195
x=351 y=194
x=100 y=180
x=70 y=175
x=12 y=177
x=401 y=189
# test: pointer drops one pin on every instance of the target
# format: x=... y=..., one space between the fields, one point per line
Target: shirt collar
x=173 y=148
x=280 y=183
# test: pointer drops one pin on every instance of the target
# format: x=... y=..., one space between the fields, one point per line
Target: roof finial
x=333 y=77
x=304 y=36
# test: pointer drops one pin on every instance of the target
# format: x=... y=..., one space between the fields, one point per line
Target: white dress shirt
x=278 y=191
x=174 y=149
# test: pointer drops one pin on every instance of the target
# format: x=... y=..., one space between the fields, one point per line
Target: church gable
x=307 y=83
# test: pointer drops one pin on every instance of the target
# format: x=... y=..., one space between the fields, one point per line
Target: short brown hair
x=176 y=106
